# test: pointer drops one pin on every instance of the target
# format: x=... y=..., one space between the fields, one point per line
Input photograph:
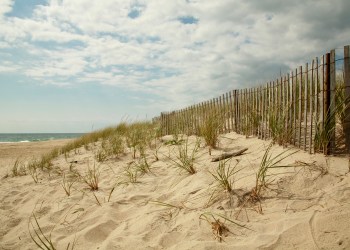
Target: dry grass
x=219 y=229
x=19 y=168
x=224 y=175
x=91 y=177
x=210 y=129
x=185 y=157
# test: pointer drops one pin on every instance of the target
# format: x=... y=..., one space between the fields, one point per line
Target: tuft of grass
x=18 y=168
x=33 y=171
x=269 y=162
x=224 y=175
x=210 y=129
x=41 y=240
x=91 y=177
x=67 y=185
x=138 y=137
x=186 y=158
x=219 y=229
x=100 y=155
x=142 y=166
x=132 y=174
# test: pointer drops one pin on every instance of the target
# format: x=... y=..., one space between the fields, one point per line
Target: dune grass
x=219 y=229
x=267 y=163
x=91 y=177
x=41 y=240
x=210 y=129
x=185 y=157
x=224 y=175
x=19 y=168
x=67 y=185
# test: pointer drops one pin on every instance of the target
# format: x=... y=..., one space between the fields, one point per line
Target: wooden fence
x=308 y=108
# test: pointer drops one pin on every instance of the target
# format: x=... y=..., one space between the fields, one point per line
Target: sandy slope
x=9 y=152
x=302 y=210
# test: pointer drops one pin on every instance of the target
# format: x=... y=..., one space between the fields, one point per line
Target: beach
x=305 y=205
x=25 y=151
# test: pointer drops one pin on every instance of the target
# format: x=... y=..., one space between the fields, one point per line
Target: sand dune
x=304 y=208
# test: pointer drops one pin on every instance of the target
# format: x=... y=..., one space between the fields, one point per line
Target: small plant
x=100 y=155
x=210 y=129
x=224 y=175
x=32 y=169
x=40 y=239
x=67 y=185
x=142 y=166
x=91 y=178
x=185 y=158
x=131 y=174
x=18 y=168
x=219 y=228
x=268 y=162
x=138 y=137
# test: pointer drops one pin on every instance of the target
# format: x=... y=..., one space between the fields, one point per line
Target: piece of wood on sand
x=226 y=155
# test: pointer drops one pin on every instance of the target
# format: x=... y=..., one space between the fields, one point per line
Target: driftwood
x=230 y=154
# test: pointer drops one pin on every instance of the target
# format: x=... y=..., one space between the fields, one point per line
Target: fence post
x=346 y=125
x=332 y=79
x=306 y=95
x=326 y=107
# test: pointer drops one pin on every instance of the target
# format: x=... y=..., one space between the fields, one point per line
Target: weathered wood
x=317 y=102
x=300 y=103
x=321 y=96
x=326 y=107
x=306 y=95
x=312 y=84
x=294 y=94
x=332 y=107
x=229 y=155
x=231 y=111
x=228 y=111
x=346 y=123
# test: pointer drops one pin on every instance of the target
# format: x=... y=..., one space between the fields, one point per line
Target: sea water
x=32 y=137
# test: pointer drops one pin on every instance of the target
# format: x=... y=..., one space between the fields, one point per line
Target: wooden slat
x=347 y=96
x=312 y=101
x=322 y=95
x=306 y=95
x=332 y=98
x=300 y=103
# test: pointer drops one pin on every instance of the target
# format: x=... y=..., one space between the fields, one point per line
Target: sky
x=81 y=65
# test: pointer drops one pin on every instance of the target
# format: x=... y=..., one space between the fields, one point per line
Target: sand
x=304 y=208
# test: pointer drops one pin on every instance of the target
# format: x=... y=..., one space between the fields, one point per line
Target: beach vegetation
x=33 y=171
x=19 y=168
x=41 y=240
x=267 y=163
x=210 y=129
x=67 y=185
x=224 y=175
x=91 y=177
x=185 y=157
x=219 y=229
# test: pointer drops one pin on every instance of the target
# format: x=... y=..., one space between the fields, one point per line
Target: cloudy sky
x=77 y=65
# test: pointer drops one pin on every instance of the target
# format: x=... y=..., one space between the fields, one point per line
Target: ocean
x=32 y=137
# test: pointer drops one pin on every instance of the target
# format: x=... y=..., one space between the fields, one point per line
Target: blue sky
x=74 y=66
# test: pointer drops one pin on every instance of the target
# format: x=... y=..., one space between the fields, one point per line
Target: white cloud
x=143 y=45
x=5 y=7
